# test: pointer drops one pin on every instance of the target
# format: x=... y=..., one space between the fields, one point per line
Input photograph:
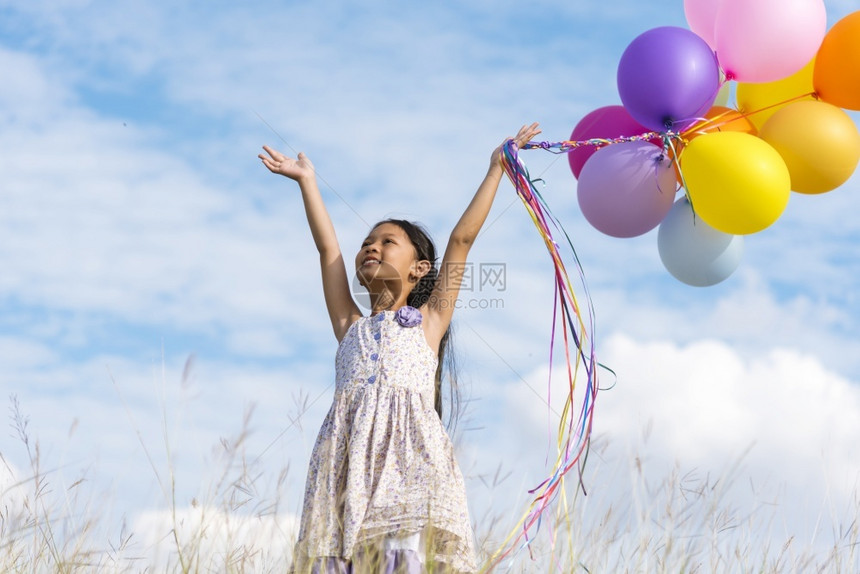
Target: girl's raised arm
x=342 y=310
x=440 y=306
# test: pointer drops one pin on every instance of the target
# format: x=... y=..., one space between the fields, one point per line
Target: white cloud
x=214 y=538
x=779 y=429
x=16 y=353
x=99 y=222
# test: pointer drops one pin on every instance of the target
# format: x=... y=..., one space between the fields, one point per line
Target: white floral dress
x=383 y=466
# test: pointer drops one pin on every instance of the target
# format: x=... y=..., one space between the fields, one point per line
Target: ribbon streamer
x=576 y=324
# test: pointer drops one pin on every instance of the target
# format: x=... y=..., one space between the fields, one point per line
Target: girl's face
x=387 y=257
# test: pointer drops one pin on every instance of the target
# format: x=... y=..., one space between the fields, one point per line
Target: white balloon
x=694 y=252
x=722 y=98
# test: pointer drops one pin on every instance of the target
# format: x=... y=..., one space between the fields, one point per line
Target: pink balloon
x=701 y=17
x=603 y=123
x=767 y=40
x=626 y=189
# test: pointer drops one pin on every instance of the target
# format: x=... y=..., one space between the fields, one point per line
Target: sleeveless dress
x=382 y=474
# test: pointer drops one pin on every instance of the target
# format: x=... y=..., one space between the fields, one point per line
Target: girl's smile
x=387 y=265
x=386 y=253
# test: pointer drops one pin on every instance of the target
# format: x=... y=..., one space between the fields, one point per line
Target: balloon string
x=778 y=104
x=576 y=326
x=676 y=160
x=570 y=145
x=567 y=146
x=704 y=125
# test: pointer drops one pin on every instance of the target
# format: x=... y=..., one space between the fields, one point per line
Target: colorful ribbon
x=577 y=329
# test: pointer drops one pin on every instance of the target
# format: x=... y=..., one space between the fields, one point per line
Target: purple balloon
x=668 y=77
x=604 y=123
x=626 y=189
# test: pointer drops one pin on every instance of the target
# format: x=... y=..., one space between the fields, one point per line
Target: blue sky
x=137 y=229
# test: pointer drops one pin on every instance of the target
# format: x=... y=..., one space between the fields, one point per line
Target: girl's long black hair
x=446 y=367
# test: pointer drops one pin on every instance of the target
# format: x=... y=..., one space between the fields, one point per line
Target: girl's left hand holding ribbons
x=524 y=136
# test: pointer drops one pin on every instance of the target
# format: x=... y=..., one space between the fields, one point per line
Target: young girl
x=384 y=492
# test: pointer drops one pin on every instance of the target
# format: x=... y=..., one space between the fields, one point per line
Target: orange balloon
x=818 y=142
x=837 y=66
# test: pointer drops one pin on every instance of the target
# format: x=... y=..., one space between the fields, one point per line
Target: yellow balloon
x=737 y=182
x=760 y=101
x=818 y=142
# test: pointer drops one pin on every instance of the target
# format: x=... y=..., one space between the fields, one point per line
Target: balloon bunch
x=737 y=166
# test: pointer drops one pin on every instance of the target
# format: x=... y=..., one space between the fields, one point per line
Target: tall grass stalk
x=239 y=521
x=684 y=522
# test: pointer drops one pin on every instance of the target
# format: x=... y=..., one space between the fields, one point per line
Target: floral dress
x=382 y=473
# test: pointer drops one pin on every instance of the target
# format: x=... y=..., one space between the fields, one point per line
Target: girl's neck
x=386 y=301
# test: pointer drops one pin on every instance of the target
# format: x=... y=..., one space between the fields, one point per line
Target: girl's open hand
x=296 y=169
x=525 y=135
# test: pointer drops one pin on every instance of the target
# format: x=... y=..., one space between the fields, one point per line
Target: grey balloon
x=694 y=252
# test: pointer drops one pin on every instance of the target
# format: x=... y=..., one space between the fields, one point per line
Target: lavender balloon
x=625 y=189
x=668 y=77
